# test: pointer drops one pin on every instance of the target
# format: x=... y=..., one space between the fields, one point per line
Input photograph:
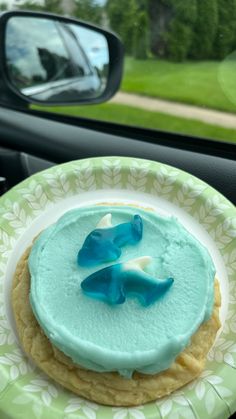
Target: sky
x=12 y=3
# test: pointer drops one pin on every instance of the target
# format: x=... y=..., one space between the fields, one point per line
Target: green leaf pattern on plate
x=24 y=386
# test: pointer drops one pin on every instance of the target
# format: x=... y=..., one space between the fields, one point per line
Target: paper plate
x=34 y=204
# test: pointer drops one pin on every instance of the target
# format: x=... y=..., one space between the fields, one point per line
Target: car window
x=179 y=70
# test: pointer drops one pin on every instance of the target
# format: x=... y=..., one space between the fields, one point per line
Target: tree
x=225 y=35
x=178 y=41
x=171 y=27
x=141 y=28
x=140 y=40
x=88 y=10
x=30 y=5
x=3 y=7
x=122 y=16
x=53 y=6
x=204 y=29
x=159 y=19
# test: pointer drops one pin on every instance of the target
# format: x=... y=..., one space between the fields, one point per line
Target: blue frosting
x=104 y=244
x=122 y=337
x=114 y=283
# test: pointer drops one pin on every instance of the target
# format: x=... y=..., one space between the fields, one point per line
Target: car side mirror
x=53 y=60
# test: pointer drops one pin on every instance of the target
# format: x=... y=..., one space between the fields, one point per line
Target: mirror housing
x=47 y=59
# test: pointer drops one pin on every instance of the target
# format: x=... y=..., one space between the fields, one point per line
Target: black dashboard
x=31 y=142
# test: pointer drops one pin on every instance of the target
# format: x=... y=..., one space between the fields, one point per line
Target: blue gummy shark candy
x=114 y=283
x=104 y=244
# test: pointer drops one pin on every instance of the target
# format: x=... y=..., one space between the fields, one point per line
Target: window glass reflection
x=95 y=47
x=39 y=55
x=49 y=61
x=81 y=63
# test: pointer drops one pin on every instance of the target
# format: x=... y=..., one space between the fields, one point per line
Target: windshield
x=179 y=69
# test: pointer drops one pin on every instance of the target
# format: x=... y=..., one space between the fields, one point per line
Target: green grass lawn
x=206 y=83
x=138 y=117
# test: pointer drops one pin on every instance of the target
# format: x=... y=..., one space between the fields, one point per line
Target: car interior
x=32 y=139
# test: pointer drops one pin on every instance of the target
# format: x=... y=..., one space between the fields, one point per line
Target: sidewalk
x=209 y=116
